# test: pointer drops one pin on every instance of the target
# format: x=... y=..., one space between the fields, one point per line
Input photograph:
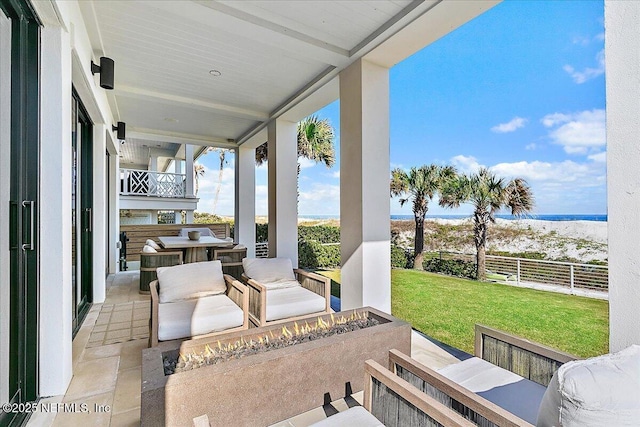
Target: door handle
x=89 y=213
x=32 y=221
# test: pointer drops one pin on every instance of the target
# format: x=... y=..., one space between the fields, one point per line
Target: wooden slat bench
x=138 y=234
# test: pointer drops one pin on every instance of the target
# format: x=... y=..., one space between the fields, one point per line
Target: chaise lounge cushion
x=291 y=302
x=601 y=391
x=197 y=317
x=193 y=280
x=273 y=273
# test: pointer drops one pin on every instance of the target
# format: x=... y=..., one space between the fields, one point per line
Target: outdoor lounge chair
x=278 y=293
x=194 y=300
x=152 y=257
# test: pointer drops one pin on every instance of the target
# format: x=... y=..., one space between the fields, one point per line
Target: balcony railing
x=135 y=182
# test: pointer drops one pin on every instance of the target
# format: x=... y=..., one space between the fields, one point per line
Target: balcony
x=142 y=189
x=134 y=182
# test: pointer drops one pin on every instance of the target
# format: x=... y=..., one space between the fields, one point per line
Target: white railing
x=134 y=182
x=262 y=250
x=571 y=275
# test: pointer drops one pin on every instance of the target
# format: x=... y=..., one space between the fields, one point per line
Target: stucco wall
x=622 y=56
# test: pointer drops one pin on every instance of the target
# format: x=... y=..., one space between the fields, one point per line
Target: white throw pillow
x=149 y=249
x=268 y=270
x=153 y=244
x=193 y=280
x=601 y=391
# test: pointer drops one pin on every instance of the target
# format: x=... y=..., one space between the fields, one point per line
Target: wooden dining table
x=195 y=250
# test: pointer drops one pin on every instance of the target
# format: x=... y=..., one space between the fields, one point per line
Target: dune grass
x=447 y=308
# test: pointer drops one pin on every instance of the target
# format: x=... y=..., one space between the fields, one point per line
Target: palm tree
x=315 y=142
x=222 y=156
x=198 y=170
x=419 y=185
x=488 y=194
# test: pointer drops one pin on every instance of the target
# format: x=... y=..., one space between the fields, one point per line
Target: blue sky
x=520 y=90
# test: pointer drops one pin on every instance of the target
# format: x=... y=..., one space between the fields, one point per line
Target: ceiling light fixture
x=106 y=71
x=215 y=73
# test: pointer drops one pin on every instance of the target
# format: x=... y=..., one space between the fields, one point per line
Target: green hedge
x=313 y=254
x=451 y=267
x=399 y=258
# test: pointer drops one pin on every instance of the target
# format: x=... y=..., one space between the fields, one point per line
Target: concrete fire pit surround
x=264 y=388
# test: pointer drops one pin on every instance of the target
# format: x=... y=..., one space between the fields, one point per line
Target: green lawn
x=446 y=308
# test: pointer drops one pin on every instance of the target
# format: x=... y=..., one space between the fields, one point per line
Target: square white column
x=283 y=190
x=622 y=38
x=190 y=173
x=245 y=200
x=100 y=215
x=364 y=187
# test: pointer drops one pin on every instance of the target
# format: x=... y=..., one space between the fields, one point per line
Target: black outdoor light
x=120 y=130
x=105 y=69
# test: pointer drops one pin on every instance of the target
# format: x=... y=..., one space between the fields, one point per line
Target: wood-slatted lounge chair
x=278 y=293
x=195 y=300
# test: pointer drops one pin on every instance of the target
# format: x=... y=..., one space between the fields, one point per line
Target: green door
x=81 y=211
x=23 y=208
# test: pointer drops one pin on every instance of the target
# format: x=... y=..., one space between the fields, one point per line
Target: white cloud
x=588 y=73
x=599 y=157
x=335 y=174
x=466 y=164
x=531 y=146
x=319 y=199
x=511 y=126
x=577 y=133
x=305 y=163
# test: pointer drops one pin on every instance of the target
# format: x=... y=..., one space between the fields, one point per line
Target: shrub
x=398 y=257
x=262 y=232
x=451 y=267
x=320 y=233
x=312 y=254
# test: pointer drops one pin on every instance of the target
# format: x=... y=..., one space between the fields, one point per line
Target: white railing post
x=518 y=272
x=571 y=278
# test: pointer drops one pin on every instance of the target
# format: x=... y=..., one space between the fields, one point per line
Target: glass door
x=19 y=29
x=81 y=211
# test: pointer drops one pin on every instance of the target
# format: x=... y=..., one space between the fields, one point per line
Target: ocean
x=558 y=217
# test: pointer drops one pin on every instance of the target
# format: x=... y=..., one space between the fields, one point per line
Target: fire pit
x=265 y=375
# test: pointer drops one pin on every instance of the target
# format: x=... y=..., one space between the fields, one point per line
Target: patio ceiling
x=270 y=56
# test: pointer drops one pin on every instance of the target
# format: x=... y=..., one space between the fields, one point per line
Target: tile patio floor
x=107 y=359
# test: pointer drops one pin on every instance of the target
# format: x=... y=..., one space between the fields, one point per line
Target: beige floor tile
x=127 y=392
x=141 y=322
x=131 y=354
x=101 y=352
x=103 y=319
x=119 y=325
x=100 y=328
x=140 y=331
x=43 y=418
x=121 y=333
x=121 y=316
x=90 y=411
x=123 y=307
x=96 y=337
x=93 y=377
x=115 y=340
x=126 y=419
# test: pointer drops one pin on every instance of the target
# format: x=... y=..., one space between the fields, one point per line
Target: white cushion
x=281 y=284
x=290 y=302
x=204 y=231
x=153 y=244
x=149 y=249
x=200 y=316
x=356 y=416
x=601 y=391
x=268 y=270
x=510 y=391
x=193 y=280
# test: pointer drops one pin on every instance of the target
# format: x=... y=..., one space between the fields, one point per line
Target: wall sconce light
x=105 y=69
x=120 y=131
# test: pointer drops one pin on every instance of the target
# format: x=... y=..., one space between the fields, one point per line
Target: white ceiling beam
x=437 y=21
x=176 y=138
x=168 y=99
x=235 y=22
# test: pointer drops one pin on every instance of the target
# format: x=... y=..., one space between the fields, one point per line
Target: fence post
x=571 y=278
x=518 y=273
